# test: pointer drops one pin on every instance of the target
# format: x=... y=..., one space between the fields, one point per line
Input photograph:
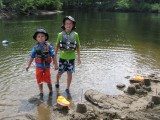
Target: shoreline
x=142 y=105
x=10 y=15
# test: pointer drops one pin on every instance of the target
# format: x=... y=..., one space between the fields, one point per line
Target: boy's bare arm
x=78 y=54
x=55 y=58
x=29 y=63
x=55 y=62
x=56 y=50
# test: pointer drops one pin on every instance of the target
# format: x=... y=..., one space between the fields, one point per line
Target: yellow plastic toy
x=138 y=78
x=62 y=101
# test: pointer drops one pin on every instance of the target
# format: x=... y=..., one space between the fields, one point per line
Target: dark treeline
x=31 y=6
x=114 y=5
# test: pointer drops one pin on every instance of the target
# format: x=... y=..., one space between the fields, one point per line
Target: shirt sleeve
x=33 y=53
x=51 y=51
x=59 y=37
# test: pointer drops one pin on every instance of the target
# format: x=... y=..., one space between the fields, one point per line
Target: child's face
x=68 y=25
x=41 y=37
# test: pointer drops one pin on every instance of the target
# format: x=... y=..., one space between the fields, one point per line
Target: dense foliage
x=29 y=6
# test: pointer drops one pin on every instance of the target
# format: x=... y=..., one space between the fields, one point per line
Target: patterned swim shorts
x=66 y=65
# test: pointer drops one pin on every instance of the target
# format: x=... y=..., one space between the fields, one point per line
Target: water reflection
x=44 y=112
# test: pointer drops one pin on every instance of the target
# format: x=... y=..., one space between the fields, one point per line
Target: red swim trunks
x=43 y=75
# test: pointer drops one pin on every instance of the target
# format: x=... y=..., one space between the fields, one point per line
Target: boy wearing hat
x=68 y=43
x=43 y=54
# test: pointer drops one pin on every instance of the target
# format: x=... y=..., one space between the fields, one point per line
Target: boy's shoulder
x=46 y=43
x=75 y=33
x=61 y=33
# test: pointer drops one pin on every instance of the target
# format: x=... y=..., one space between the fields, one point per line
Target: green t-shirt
x=64 y=54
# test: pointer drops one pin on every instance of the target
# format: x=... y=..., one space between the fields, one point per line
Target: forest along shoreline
x=10 y=15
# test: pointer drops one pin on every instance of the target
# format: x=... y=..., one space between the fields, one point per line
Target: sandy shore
x=139 y=106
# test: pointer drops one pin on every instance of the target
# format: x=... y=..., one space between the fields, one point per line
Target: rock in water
x=156 y=100
x=150 y=105
x=131 y=89
x=147 y=82
x=120 y=86
x=5 y=42
x=35 y=100
x=81 y=108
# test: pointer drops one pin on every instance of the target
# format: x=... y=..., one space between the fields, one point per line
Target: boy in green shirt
x=68 y=43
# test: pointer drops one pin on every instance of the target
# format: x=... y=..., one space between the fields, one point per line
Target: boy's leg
x=69 y=79
x=50 y=89
x=47 y=79
x=40 y=88
x=57 y=80
x=60 y=71
x=70 y=70
x=39 y=73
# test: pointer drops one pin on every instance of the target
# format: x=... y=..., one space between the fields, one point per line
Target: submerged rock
x=35 y=100
x=30 y=117
x=120 y=86
x=127 y=77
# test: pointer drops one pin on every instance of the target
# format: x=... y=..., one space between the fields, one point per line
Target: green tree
x=1 y=4
x=123 y=4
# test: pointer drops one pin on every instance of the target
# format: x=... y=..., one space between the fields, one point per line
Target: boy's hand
x=55 y=67
x=27 y=69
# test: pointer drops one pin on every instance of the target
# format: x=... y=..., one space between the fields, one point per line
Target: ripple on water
x=103 y=69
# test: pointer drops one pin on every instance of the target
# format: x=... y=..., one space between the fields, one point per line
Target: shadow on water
x=46 y=105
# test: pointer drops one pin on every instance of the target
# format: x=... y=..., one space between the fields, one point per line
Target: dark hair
x=71 y=19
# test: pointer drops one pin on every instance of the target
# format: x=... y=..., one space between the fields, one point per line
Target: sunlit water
x=113 y=46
